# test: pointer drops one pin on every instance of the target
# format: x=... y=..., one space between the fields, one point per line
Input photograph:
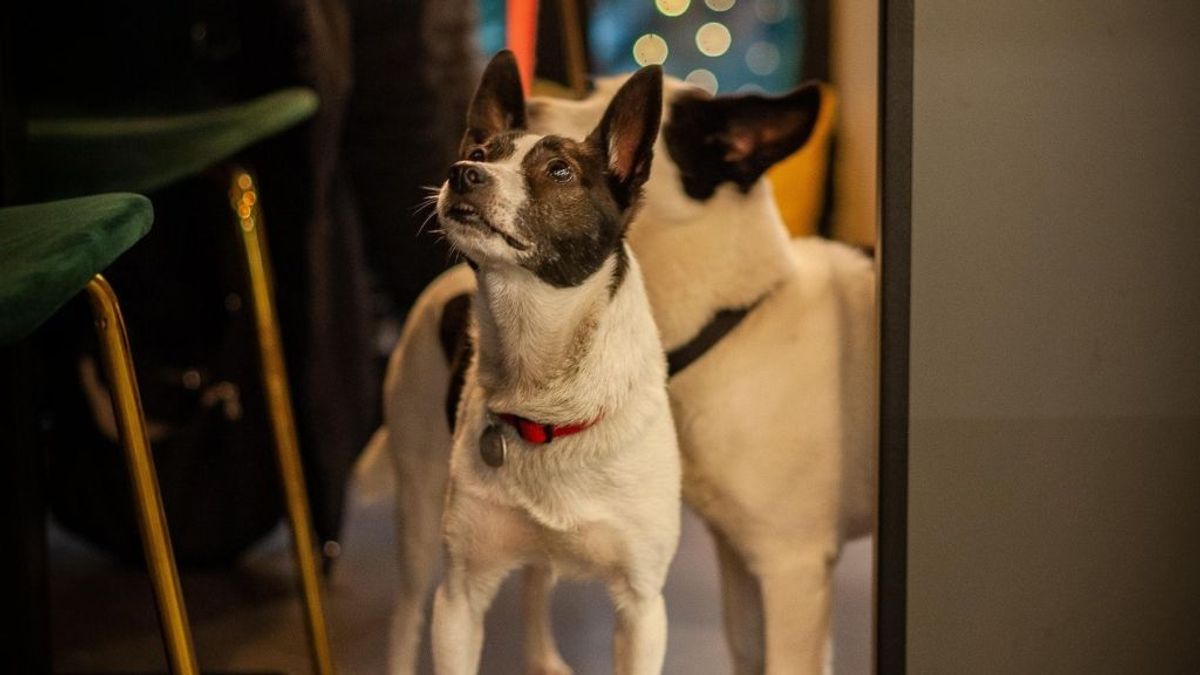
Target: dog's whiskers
x=425 y=203
x=431 y=216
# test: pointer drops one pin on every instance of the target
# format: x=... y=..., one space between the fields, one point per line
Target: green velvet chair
x=74 y=154
x=49 y=253
x=71 y=154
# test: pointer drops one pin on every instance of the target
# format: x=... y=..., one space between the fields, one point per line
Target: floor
x=248 y=620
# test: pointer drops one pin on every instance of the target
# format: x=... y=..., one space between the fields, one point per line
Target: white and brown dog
x=772 y=352
x=564 y=456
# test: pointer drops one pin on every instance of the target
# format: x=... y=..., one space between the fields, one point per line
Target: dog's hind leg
x=374 y=479
x=797 y=604
x=541 y=652
x=418 y=442
x=420 y=449
x=742 y=607
x=418 y=524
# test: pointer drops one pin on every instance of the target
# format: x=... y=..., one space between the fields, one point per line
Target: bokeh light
x=762 y=58
x=703 y=78
x=771 y=11
x=650 y=49
x=725 y=50
x=672 y=7
x=713 y=39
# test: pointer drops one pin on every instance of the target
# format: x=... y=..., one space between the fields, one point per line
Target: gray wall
x=1054 y=507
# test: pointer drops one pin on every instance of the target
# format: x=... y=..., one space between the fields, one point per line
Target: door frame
x=893 y=260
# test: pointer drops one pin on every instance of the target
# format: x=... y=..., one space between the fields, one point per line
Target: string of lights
x=718 y=45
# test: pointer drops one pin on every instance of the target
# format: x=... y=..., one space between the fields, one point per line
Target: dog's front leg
x=461 y=601
x=640 y=643
x=541 y=653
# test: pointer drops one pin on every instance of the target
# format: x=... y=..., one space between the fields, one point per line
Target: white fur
x=776 y=424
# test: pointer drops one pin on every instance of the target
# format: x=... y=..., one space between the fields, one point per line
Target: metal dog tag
x=493 y=446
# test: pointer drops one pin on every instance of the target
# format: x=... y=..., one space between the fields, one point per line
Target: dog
x=772 y=345
x=564 y=456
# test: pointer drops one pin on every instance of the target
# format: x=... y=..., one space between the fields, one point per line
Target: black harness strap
x=713 y=332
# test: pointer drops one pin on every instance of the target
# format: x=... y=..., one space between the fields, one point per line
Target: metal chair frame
x=127 y=404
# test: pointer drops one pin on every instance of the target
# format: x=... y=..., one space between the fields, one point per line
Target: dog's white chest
x=592 y=551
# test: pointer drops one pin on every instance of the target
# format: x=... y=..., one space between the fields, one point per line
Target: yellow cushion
x=799 y=181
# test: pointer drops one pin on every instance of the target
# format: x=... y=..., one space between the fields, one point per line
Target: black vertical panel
x=553 y=61
x=895 y=133
x=816 y=39
x=24 y=584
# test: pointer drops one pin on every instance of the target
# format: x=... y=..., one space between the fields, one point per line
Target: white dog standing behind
x=564 y=455
x=777 y=420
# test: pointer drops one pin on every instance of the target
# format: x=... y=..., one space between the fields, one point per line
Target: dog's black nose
x=464 y=176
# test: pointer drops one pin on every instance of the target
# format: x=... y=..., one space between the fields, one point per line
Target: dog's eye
x=559 y=171
x=477 y=155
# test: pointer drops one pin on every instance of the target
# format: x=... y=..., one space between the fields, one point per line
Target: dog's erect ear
x=627 y=132
x=748 y=133
x=763 y=130
x=499 y=102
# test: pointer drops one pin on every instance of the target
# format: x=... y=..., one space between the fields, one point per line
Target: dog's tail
x=373 y=480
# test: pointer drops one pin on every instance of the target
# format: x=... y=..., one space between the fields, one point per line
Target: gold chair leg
x=243 y=196
x=152 y=521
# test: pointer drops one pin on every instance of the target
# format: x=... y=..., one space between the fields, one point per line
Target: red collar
x=536 y=432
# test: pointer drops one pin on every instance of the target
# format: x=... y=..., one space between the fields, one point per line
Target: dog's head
x=555 y=206
x=709 y=145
